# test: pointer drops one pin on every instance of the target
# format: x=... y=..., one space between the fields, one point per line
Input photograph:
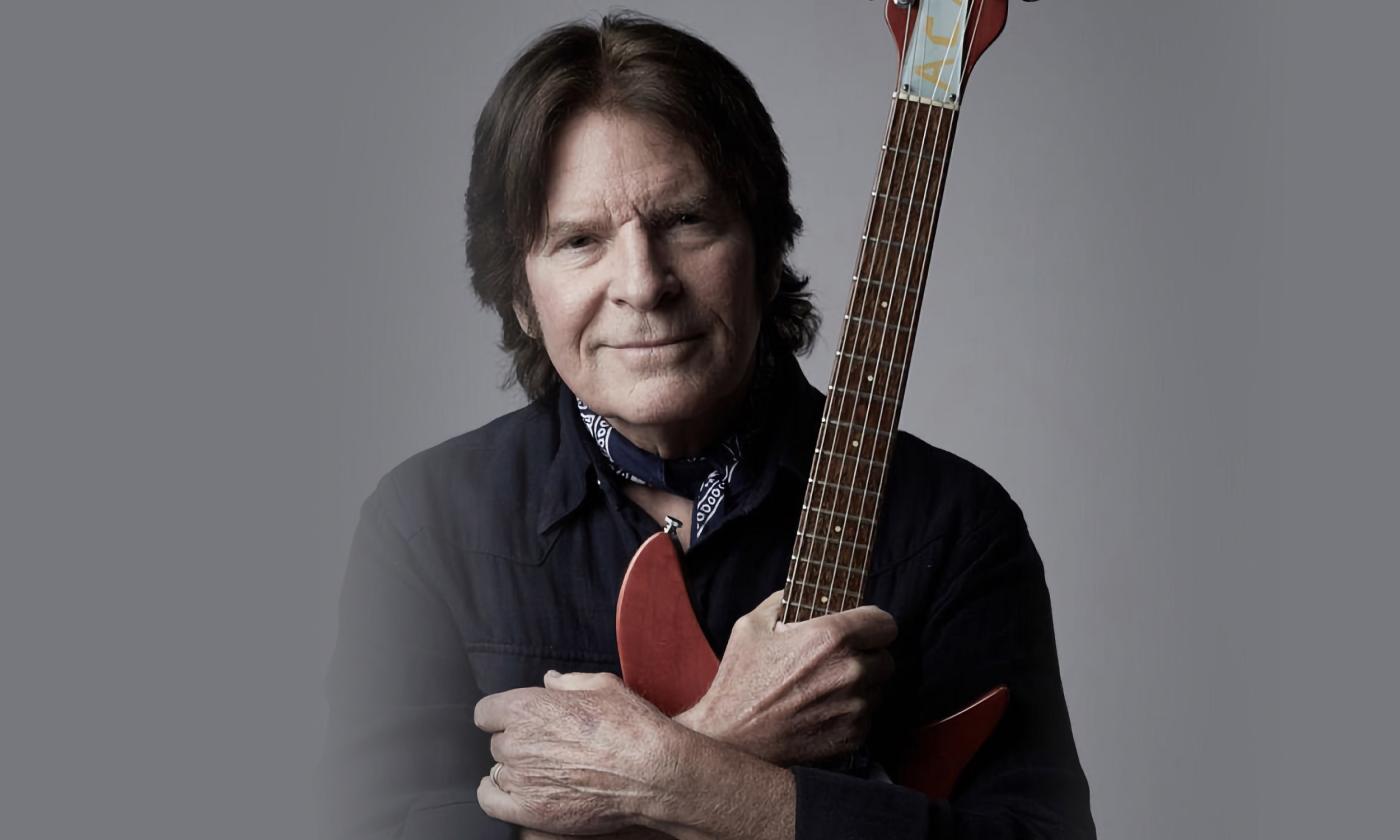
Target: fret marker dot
x=870 y=378
x=837 y=529
x=823 y=599
x=884 y=304
x=855 y=443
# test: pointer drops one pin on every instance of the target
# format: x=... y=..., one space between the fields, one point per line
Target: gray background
x=233 y=296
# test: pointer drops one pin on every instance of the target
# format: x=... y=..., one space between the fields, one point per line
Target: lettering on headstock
x=933 y=62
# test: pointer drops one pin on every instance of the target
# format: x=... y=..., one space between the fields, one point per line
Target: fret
x=838 y=485
x=843 y=515
x=878 y=323
x=898 y=199
x=862 y=475
x=903 y=273
x=873 y=379
x=906 y=96
x=862 y=394
x=911 y=153
x=903 y=289
x=854 y=530
x=890 y=243
x=849 y=457
x=883 y=306
x=850 y=443
x=881 y=297
x=819 y=514
x=861 y=357
x=858 y=546
x=910 y=225
x=815 y=609
x=862 y=427
x=808 y=564
x=903 y=193
x=872 y=342
x=829 y=588
x=904 y=184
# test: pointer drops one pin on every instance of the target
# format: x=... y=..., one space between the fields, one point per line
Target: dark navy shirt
x=491 y=558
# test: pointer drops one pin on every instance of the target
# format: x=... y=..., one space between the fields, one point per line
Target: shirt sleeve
x=990 y=625
x=402 y=758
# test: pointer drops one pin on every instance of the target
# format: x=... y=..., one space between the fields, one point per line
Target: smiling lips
x=652 y=343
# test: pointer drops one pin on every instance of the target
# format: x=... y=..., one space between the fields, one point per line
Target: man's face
x=643 y=281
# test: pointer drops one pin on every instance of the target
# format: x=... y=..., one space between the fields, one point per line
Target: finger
x=502 y=777
x=502 y=747
x=765 y=615
x=581 y=681
x=494 y=712
x=499 y=804
x=771 y=606
x=867 y=627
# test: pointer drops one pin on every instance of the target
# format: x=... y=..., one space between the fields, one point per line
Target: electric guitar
x=665 y=656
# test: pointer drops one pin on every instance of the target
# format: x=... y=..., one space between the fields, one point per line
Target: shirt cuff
x=833 y=806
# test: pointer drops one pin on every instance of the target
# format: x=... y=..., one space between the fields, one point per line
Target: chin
x=661 y=399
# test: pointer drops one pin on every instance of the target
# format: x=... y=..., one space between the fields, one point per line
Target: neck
x=836 y=532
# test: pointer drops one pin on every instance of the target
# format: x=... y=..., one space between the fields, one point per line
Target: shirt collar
x=577 y=467
x=571 y=472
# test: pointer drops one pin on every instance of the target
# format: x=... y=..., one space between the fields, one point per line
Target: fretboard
x=836 y=531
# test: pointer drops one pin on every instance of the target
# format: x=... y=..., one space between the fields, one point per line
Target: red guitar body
x=666 y=659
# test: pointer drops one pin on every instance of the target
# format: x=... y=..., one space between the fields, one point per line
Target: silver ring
x=496 y=775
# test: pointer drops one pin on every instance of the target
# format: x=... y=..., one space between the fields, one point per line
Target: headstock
x=939 y=41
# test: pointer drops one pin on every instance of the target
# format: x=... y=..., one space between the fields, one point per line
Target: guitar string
x=801 y=552
x=915 y=280
x=898 y=282
x=832 y=413
x=905 y=107
x=837 y=402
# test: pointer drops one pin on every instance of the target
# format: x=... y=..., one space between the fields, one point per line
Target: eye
x=687 y=219
x=574 y=243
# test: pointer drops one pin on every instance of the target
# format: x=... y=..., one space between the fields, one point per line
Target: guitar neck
x=836 y=532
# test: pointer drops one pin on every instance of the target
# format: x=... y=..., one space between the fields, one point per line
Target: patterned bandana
x=707 y=478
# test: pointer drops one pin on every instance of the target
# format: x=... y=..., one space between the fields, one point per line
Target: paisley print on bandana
x=704 y=478
x=709 y=478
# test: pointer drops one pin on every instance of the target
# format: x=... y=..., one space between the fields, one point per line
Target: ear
x=525 y=317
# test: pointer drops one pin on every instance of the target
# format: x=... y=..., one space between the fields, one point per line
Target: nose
x=642 y=278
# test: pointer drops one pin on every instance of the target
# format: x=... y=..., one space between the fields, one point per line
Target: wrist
x=697 y=720
x=710 y=790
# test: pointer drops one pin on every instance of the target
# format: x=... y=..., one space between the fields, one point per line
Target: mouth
x=654 y=343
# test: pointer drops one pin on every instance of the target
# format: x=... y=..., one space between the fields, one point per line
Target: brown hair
x=633 y=64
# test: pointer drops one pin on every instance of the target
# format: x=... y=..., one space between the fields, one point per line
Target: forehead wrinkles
x=609 y=168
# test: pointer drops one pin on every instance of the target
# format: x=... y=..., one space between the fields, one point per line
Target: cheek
x=739 y=296
x=557 y=331
x=563 y=320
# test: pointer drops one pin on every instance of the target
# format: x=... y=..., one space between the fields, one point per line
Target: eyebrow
x=565 y=229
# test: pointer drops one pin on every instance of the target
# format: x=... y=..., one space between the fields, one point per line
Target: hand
x=797 y=693
x=583 y=755
x=634 y=833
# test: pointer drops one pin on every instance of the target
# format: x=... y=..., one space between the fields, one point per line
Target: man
x=629 y=220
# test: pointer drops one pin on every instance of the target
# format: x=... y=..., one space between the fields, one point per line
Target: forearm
x=712 y=791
